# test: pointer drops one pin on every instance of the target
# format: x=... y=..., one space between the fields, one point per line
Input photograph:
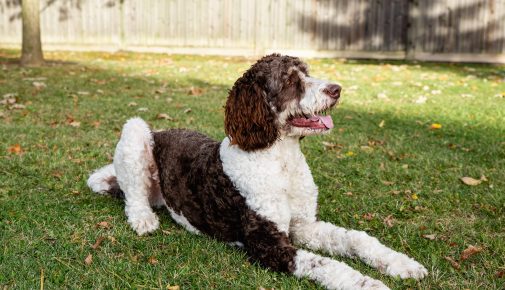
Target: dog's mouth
x=316 y=122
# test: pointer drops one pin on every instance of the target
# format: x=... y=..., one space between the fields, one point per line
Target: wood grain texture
x=366 y=26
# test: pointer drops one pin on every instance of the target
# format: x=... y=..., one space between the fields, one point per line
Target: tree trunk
x=32 y=48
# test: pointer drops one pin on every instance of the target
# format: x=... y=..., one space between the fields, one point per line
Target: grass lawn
x=405 y=133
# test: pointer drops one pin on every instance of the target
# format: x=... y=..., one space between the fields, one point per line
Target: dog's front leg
x=272 y=248
x=336 y=240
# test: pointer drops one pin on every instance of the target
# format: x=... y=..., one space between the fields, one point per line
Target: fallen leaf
x=111 y=239
x=9 y=99
x=83 y=93
x=97 y=243
x=389 y=221
x=365 y=148
x=329 y=145
x=435 y=126
x=471 y=181
x=164 y=116
x=188 y=110
x=470 y=251
x=421 y=100
x=88 y=260
x=142 y=109
x=382 y=96
x=75 y=124
x=387 y=183
x=57 y=174
x=174 y=287
x=195 y=91
x=39 y=85
x=500 y=274
x=454 y=264
x=382 y=123
x=15 y=149
x=95 y=124
x=132 y=104
x=348 y=193
x=430 y=237
x=18 y=107
x=103 y=225
x=152 y=260
x=368 y=216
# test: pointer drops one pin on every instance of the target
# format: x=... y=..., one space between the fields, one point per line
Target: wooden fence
x=453 y=30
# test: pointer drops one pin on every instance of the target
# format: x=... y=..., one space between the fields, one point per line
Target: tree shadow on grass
x=482 y=71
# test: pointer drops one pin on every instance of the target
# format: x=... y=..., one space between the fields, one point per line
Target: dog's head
x=277 y=97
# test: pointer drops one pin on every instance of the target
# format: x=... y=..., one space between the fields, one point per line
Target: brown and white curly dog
x=254 y=189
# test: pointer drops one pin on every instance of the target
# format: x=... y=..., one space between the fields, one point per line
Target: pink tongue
x=314 y=122
x=327 y=121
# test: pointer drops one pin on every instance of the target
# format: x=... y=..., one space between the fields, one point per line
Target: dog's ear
x=249 y=120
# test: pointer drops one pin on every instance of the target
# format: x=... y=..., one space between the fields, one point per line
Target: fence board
x=416 y=28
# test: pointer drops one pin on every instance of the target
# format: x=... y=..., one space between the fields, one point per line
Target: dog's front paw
x=144 y=223
x=405 y=268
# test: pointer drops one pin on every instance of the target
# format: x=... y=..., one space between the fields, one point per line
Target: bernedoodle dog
x=254 y=189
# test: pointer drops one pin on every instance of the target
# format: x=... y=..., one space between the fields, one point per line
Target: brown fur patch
x=258 y=96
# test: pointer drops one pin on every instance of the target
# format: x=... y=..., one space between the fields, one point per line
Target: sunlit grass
x=382 y=161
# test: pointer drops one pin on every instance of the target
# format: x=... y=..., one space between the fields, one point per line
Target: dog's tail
x=103 y=181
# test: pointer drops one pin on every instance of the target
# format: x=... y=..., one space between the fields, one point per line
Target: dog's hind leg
x=272 y=248
x=137 y=175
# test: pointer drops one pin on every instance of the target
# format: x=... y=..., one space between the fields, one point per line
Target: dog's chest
x=274 y=182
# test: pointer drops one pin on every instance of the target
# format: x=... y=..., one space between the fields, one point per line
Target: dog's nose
x=333 y=91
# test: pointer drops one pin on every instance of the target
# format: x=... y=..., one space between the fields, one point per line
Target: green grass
x=384 y=153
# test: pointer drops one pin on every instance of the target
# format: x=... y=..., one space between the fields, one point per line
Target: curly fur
x=254 y=189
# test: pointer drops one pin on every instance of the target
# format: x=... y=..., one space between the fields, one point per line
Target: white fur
x=183 y=221
x=336 y=240
x=332 y=274
x=269 y=181
x=236 y=244
x=132 y=160
x=314 y=99
x=277 y=183
x=98 y=181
